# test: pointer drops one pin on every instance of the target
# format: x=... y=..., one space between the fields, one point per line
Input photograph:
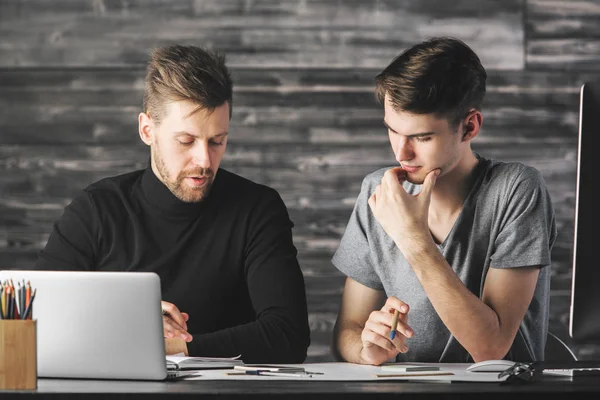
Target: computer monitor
x=584 y=325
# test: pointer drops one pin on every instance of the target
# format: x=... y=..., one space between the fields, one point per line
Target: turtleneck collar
x=158 y=196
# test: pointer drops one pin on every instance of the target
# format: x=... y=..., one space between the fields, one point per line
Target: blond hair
x=178 y=72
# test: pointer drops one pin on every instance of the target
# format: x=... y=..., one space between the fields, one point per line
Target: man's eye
x=185 y=143
x=216 y=143
x=423 y=138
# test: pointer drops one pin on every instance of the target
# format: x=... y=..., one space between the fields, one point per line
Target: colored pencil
x=394 y=325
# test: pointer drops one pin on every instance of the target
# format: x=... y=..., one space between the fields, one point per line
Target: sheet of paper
x=181 y=357
x=406 y=367
x=183 y=362
x=340 y=371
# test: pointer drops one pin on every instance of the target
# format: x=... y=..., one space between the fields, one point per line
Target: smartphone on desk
x=268 y=368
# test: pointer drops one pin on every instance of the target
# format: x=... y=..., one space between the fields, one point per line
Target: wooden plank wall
x=305 y=121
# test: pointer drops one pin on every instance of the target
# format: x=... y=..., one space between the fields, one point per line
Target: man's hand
x=377 y=346
x=175 y=346
x=174 y=322
x=403 y=216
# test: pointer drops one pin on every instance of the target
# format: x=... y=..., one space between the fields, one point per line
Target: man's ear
x=146 y=128
x=472 y=124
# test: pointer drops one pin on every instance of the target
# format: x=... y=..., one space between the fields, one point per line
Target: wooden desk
x=578 y=388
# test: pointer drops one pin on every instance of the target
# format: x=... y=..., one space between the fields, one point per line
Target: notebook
x=176 y=362
x=403 y=367
x=97 y=325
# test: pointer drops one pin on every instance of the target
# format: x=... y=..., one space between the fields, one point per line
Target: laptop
x=96 y=325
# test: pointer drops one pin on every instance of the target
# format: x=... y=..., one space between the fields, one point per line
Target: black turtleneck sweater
x=228 y=261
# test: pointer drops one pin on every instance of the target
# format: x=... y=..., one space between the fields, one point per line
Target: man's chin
x=193 y=195
x=415 y=180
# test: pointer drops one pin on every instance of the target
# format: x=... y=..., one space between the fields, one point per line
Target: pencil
x=16 y=302
x=394 y=325
x=9 y=303
x=27 y=313
x=27 y=294
x=22 y=298
x=19 y=301
x=3 y=302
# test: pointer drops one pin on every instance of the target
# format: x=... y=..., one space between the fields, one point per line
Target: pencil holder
x=18 y=354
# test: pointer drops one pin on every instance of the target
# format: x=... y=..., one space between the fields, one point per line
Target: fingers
x=381 y=322
x=430 y=180
x=378 y=333
x=372 y=201
x=378 y=344
x=393 y=303
x=393 y=178
x=401 y=174
x=172 y=330
x=174 y=322
x=370 y=338
x=172 y=311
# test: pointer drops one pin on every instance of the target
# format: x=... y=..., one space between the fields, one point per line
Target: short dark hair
x=191 y=73
x=441 y=76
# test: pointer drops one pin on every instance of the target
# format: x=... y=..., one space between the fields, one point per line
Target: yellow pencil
x=4 y=299
x=394 y=325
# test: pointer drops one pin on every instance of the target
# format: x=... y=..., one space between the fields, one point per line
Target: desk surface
x=580 y=387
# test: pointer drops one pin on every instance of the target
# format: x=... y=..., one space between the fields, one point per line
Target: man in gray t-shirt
x=452 y=247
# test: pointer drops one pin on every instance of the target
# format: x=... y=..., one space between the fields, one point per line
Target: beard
x=177 y=186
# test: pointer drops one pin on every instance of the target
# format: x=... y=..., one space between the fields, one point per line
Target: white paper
x=181 y=358
x=341 y=371
x=183 y=362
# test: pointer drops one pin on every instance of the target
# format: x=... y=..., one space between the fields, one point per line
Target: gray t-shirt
x=507 y=221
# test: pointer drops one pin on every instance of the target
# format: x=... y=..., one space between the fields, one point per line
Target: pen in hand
x=394 y=325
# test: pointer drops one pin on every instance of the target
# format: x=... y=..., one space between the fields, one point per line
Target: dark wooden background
x=305 y=120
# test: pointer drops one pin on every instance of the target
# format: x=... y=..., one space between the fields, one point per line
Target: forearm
x=347 y=343
x=473 y=323
x=273 y=338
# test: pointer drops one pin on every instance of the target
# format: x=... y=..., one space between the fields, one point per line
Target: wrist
x=361 y=357
x=423 y=257
x=416 y=246
x=175 y=346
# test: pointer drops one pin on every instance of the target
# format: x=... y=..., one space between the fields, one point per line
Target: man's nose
x=403 y=150
x=201 y=156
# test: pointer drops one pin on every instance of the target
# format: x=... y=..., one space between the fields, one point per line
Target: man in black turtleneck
x=221 y=244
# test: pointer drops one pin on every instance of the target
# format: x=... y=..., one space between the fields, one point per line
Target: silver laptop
x=96 y=325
